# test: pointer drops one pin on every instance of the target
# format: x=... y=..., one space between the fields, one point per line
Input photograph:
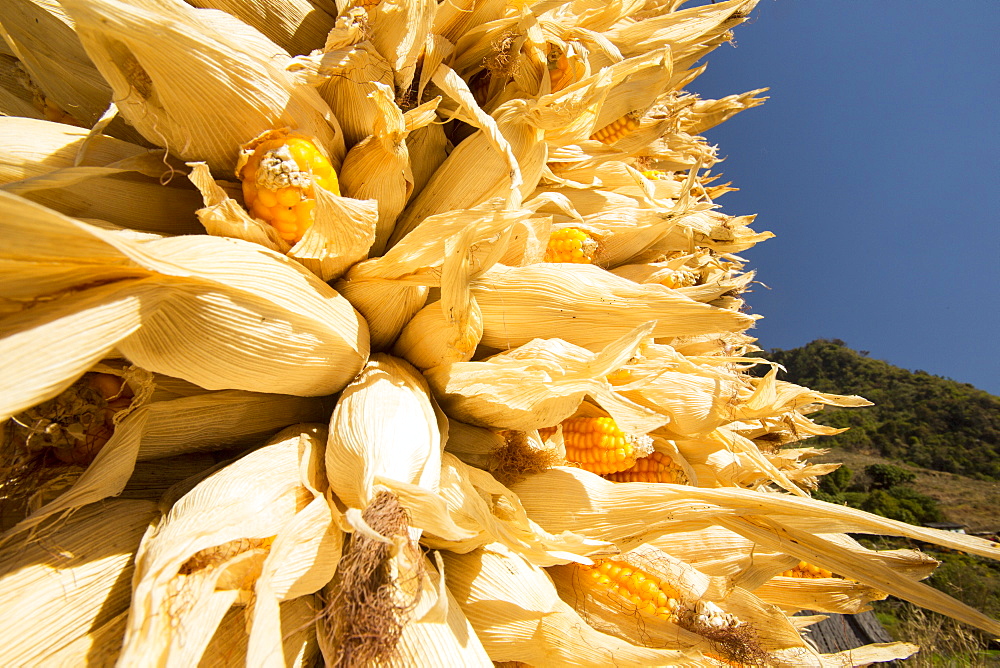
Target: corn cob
x=647 y=593
x=680 y=278
x=805 y=570
x=76 y=424
x=560 y=71
x=571 y=244
x=599 y=446
x=657 y=467
x=52 y=111
x=656 y=174
x=617 y=129
x=620 y=377
x=278 y=183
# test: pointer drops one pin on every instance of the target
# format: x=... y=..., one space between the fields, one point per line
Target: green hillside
x=918 y=418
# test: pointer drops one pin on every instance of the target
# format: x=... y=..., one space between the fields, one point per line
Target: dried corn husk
x=228 y=647
x=179 y=289
x=62 y=167
x=398 y=30
x=295 y=25
x=42 y=36
x=835 y=595
x=506 y=154
x=449 y=329
x=690 y=32
x=160 y=426
x=63 y=592
x=385 y=427
x=472 y=509
x=655 y=507
x=518 y=616
x=586 y=306
x=351 y=70
x=389 y=290
x=163 y=59
x=16 y=98
x=219 y=542
x=540 y=384
x=428 y=147
x=448 y=642
x=378 y=167
x=703 y=115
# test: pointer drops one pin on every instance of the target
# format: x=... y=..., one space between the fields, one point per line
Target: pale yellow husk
x=181 y=306
x=163 y=59
x=260 y=525
x=63 y=592
x=518 y=616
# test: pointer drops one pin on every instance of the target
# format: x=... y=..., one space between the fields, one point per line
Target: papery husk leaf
x=57 y=166
x=658 y=508
x=586 y=306
x=472 y=509
x=431 y=338
x=428 y=147
x=399 y=28
x=713 y=550
x=447 y=642
x=16 y=98
x=187 y=293
x=86 y=325
x=162 y=428
x=454 y=19
x=448 y=330
x=379 y=166
x=484 y=231
x=706 y=114
x=506 y=154
x=223 y=216
x=685 y=30
x=835 y=595
x=64 y=591
x=386 y=306
x=228 y=647
x=352 y=74
x=540 y=384
x=518 y=616
x=41 y=35
x=297 y=26
x=384 y=425
x=163 y=59
x=473 y=445
x=181 y=596
x=341 y=234
x=302 y=559
x=860 y=656
x=839 y=559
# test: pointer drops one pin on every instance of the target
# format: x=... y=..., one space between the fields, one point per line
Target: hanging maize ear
x=806 y=570
x=643 y=592
x=617 y=129
x=571 y=244
x=656 y=467
x=563 y=70
x=278 y=179
x=599 y=446
x=52 y=111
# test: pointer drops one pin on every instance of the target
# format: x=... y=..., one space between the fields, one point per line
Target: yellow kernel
x=289 y=196
x=267 y=197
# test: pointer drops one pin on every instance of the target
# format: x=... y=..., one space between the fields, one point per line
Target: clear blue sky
x=876 y=162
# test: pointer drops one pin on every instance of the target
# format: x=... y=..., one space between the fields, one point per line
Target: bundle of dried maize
x=442 y=289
